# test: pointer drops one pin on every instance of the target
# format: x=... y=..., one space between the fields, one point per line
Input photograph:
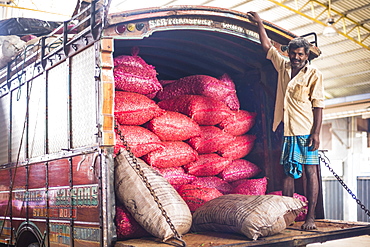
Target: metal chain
x=326 y=162
x=133 y=162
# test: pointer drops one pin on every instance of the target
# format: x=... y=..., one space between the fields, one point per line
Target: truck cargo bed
x=291 y=236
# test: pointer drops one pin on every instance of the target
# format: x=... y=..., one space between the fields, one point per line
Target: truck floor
x=291 y=236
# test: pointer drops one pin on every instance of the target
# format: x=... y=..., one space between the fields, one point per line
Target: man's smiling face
x=298 y=57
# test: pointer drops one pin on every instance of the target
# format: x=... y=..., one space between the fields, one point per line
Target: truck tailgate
x=291 y=236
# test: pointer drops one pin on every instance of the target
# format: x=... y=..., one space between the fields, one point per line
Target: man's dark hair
x=298 y=43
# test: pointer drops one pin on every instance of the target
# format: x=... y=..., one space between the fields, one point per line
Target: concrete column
x=350 y=173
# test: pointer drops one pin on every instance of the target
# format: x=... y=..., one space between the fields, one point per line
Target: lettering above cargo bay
x=163 y=22
x=167 y=22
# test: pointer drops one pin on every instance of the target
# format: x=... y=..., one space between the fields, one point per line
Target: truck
x=58 y=128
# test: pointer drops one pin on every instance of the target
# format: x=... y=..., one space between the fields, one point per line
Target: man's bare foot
x=309 y=225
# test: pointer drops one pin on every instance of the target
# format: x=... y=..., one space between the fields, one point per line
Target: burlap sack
x=252 y=216
x=134 y=194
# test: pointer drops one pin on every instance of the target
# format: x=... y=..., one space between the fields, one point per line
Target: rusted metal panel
x=37 y=176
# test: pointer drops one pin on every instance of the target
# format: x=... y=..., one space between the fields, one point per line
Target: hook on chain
x=178 y=238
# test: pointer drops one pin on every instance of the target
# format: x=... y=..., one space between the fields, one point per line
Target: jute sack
x=252 y=216
x=134 y=194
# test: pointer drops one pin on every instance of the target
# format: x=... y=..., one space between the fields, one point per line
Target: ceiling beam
x=36 y=10
x=349 y=75
x=240 y=4
x=350 y=28
x=365 y=21
x=207 y=2
x=357 y=9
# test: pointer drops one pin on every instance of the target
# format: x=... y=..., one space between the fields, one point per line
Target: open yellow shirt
x=295 y=98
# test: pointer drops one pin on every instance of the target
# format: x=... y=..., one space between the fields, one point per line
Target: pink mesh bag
x=239 y=148
x=174 y=126
x=207 y=165
x=302 y=215
x=135 y=62
x=134 y=108
x=256 y=186
x=135 y=83
x=126 y=226
x=212 y=139
x=195 y=196
x=166 y=82
x=139 y=139
x=133 y=74
x=213 y=182
x=204 y=110
x=239 y=169
x=231 y=99
x=238 y=124
x=176 y=175
x=222 y=89
x=174 y=154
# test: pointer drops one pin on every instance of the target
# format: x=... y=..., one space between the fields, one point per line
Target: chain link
x=324 y=159
x=133 y=162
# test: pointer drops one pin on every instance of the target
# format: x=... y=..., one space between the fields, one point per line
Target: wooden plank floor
x=291 y=236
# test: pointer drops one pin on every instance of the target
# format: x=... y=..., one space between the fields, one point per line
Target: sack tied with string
x=133 y=193
x=252 y=216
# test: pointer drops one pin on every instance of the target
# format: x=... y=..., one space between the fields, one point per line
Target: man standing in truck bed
x=299 y=103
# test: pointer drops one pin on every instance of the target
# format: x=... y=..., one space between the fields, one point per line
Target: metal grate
x=4 y=125
x=83 y=99
x=333 y=199
x=18 y=106
x=58 y=108
x=36 y=127
x=363 y=186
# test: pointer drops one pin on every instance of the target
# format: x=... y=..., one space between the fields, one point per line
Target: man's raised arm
x=265 y=41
